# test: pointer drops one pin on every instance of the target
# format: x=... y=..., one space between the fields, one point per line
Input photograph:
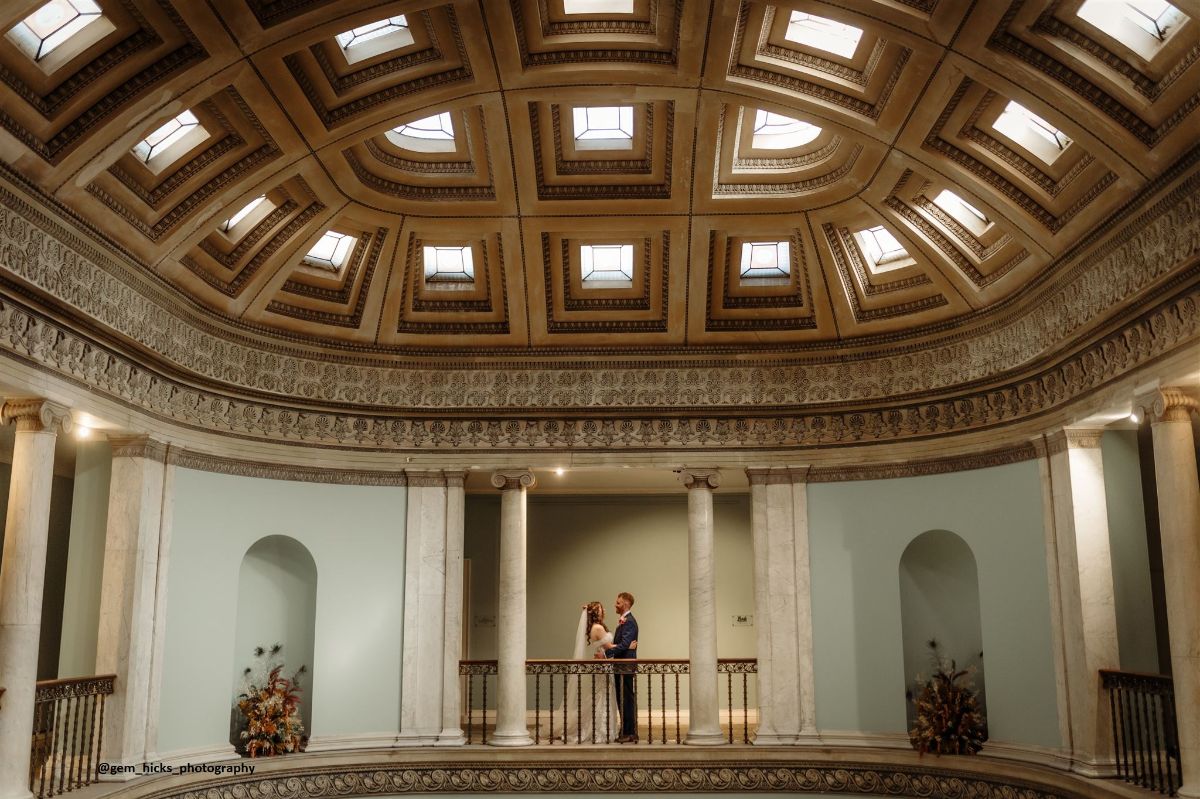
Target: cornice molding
x=36 y=415
x=276 y=471
x=777 y=475
x=1060 y=441
x=137 y=446
x=924 y=467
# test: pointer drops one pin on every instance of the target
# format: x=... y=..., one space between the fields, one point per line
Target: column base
x=510 y=739
x=19 y=795
x=773 y=739
x=1095 y=769
x=700 y=738
x=1189 y=790
x=451 y=738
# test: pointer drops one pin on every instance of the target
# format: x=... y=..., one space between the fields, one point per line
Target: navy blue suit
x=625 y=635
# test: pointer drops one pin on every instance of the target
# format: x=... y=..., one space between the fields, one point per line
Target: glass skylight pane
x=957 y=207
x=603 y=123
x=1152 y=16
x=597 y=6
x=53 y=24
x=453 y=264
x=766 y=259
x=331 y=250
x=170 y=133
x=438 y=126
x=823 y=34
x=392 y=26
x=242 y=214
x=606 y=262
x=778 y=132
x=880 y=246
x=1016 y=119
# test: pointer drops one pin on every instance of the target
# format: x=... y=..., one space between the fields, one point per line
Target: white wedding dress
x=592 y=715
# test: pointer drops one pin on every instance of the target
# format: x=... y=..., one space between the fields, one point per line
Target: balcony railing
x=1145 y=734
x=68 y=726
x=565 y=691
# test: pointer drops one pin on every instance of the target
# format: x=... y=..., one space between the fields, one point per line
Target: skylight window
x=40 y=33
x=1125 y=20
x=330 y=251
x=374 y=38
x=170 y=140
x=449 y=265
x=776 y=132
x=597 y=6
x=1016 y=121
x=607 y=127
x=433 y=134
x=960 y=209
x=605 y=264
x=766 y=260
x=823 y=34
x=247 y=209
x=881 y=247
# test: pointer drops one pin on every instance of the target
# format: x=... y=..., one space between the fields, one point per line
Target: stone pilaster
x=451 y=733
x=511 y=729
x=126 y=635
x=783 y=605
x=1179 y=525
x=22 y=574
x=1082 y=596
x=704 y=721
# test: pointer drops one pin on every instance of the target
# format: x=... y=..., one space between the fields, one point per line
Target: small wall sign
x=485 y=621
x=743 y=621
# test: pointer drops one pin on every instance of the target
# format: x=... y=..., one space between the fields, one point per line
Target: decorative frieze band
x=921 y=468
x=276 y=471
x=510 y=480
x=709 y=479
x=777 y=475
x=1072 y=438
x=124 y=446
x=32 y=414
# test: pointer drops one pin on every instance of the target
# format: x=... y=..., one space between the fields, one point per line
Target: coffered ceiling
x=902 y=133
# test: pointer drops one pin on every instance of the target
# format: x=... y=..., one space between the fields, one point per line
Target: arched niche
x=277 y=604
x=939 y=600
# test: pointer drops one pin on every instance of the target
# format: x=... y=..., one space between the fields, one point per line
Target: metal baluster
x=608 y=705
x=1156 y=759
x=76 y=735
x=729 y=693
x=1127 y=765
x=745 y=710
x=99 y=735
x=1168 y=717
x=69 y=714
x=89 y=775
x=52 y=736
x=594 y=736
x=566 y=701
x=579 y=709
x=677 y=736
x=77 y=759
x=1112 y=705
x=650 y=708
x=39 y=752
x=537 y=707
x=662 y=690
x=483 y=710
x=552 y=708
x=1143 y=736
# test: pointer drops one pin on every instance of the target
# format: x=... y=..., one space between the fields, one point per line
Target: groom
x=626 y=635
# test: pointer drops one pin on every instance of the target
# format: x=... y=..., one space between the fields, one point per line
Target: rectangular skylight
x=881 y=248
x=605 y=263
x=1016 y=120
x=375 y=38
x=449 y=264
x=766 y=260
x=608 y=127
x=778 y=132
x=597 y=6
x=959 y=208
x=162 y=141
x=40 y=33
x=330 y=251
x=1128 y=20
x=823 y=34
x=247 y=209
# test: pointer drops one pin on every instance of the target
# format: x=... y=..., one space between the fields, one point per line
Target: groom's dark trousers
x=627 y=633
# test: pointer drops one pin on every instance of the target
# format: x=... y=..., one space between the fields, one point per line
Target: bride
x=591 y=705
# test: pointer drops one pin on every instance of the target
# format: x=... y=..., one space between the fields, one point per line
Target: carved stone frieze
x=125 y=446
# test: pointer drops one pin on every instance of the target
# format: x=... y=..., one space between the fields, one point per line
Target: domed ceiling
x=450 y=183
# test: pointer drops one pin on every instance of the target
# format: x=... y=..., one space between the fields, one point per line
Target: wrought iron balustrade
x=566 y=690
x=1145 y=735
x=68 y=728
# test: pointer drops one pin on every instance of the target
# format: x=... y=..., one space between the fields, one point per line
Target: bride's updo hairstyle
x=594 y=610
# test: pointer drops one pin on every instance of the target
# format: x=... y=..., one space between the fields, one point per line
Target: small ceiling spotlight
x=82 y=431
x=560 y=471
x=1135 y=417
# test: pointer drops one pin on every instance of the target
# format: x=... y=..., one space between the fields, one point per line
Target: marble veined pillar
x=451 y=733
x=125 y=640
x=782 y=605
x=1179 y=524
x=1084 y=601
x=22 y=574
x=511 y=729
x=704 y=723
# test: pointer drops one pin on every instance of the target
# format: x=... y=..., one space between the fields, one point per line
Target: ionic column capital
x=1072 y=438
x=137 y=446
x=777 y=475
x=34 y=414
x=700 y=478
x=509 y=479
x=1173 y=404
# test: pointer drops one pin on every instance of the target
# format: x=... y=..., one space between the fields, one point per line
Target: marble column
x=22 y=573
x=451 y=733
x=782 y=605
x=1084 y=605
x=1179 y=524
x=128 y=587
x=424 y=608
x=704 y=722
x=511 y=729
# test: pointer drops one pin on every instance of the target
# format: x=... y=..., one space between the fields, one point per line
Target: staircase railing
x=68 y=728
x=1145 y=734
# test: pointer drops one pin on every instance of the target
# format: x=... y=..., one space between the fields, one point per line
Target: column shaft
x=511 y=729
x=22 y=574
x=704 y=722
x=1179 y=523
x=451 y=733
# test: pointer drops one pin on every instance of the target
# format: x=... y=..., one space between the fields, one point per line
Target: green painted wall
x=85 y=561
x=1131 y=561
x=858 y=531
x=356 y=537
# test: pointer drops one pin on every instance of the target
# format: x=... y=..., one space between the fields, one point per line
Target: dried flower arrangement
x=270 y=705
x=948 y=718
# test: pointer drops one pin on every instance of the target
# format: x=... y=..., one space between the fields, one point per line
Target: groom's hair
x=628 y=597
